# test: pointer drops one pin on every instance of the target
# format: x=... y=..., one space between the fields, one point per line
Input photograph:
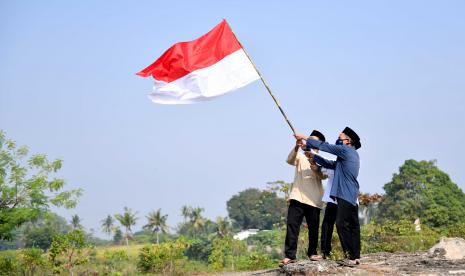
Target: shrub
x=269 y=242
x=69 y=250
x=393 y=236
x=166 y=257
x=8 y=264
x=456 y=230
x=199 y=249
x=114 y=261
x=32 y=260
x=116 y=255
x=255 y=261
x=225 y=253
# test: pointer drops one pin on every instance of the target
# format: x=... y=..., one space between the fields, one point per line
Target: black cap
x=318 y=134
x=354 y=136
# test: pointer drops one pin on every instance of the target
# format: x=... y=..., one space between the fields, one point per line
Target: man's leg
x=343 y=246
x=295 y=215
x=355 y=231
x=342 y=225
x=327 y=228
x=312 y=216
x=346 y=226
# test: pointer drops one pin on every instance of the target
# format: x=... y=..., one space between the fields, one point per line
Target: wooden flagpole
x=266 y=85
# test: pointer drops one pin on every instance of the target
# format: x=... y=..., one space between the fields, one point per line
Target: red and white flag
x=207 y=67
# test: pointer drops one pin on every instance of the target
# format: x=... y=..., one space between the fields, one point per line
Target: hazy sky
x=392 y=70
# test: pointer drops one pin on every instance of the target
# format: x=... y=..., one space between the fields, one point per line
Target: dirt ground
x=373 y=264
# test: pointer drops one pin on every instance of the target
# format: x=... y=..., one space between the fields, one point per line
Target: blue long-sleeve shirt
x=346 y=168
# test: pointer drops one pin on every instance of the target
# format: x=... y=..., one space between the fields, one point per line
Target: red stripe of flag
x=185 y=57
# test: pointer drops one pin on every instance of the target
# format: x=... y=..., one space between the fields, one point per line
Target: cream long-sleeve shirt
x=307 y=187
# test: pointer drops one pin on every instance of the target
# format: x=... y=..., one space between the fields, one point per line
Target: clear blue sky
x=392 y=70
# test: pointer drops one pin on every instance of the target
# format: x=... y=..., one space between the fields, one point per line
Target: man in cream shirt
x=304 y=201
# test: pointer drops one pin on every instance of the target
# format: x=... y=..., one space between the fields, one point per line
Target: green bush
x=69 y=250
x=9 y=264
x=225 y=253
x=273 y=238
x=394 y=236
x=116 y=255
x=455 y=230
x=199 y=249
x=255 y=261
x=166 y=257
x=32 y=260
x=114 y=261
x=269 y=242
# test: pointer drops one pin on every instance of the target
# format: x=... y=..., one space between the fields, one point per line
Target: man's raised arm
x=325 y=163
x=337 y=150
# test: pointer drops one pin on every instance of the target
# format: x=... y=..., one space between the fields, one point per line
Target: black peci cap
x=354 y=136
x=318 y=134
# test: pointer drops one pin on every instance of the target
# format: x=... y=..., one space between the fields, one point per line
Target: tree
x=197 y=220
x=422 y=190
x=199 y=249
x=76 y=222
x=223 y=227
x=156 y=222
x=186 y=212
x=108 y=225
x=253 y=208
x=117 y=236
x=40 y=232
x=27 y=186
x=225 y=251
x=31 y=260
x=194 y=224
x=280 y=186
x=127 y=219
x=68 y=251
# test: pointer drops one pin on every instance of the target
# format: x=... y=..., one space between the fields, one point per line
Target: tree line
x=29 y=187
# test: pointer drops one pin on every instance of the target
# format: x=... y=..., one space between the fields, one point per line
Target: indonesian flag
x=207 y=67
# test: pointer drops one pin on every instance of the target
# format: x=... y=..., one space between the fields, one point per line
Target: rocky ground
x=378 y=264
x=446 y=258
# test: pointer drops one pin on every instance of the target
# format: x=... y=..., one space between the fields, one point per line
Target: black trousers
x=348 y=228
x=327 y=228
x=295 y=215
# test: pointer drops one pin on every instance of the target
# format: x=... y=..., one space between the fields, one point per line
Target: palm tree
x=127 y=219
x=76 y=222
x=223 y=227
x=108 y=225
x=196 y=218
x=156 y=223
x=186 y=212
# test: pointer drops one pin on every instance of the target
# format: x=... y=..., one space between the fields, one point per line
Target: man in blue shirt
x=345 y=188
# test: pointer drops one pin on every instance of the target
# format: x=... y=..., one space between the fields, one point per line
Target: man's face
x=344 y=138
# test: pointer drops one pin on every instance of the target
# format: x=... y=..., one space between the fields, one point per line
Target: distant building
x=244 y=234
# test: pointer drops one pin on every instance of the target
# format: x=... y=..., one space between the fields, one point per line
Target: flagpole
x=266 y=85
